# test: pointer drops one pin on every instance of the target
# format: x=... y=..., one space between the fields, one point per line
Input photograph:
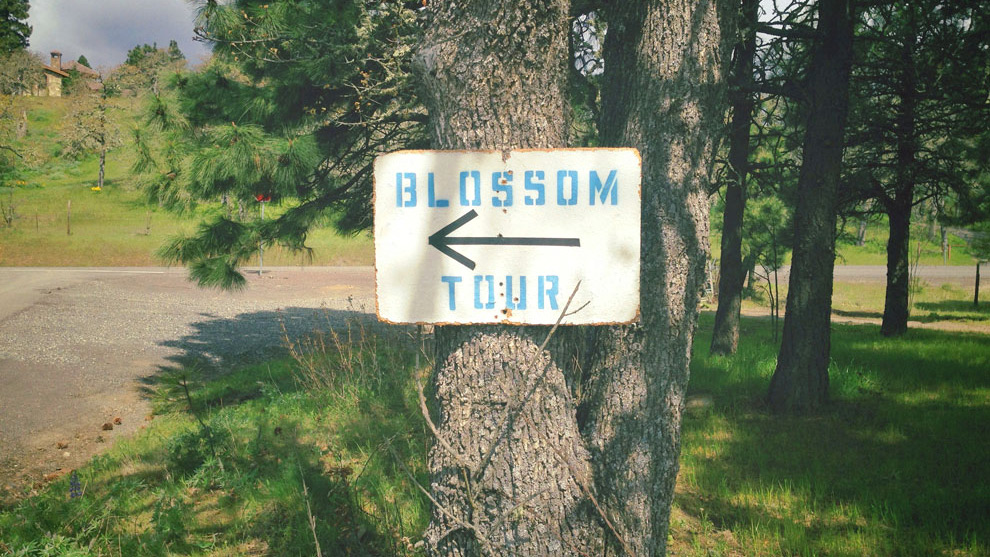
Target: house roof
x=82 y=69
x=55 y=71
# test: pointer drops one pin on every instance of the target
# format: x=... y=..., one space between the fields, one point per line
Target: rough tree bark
x=800 y=381
x=507 y=471
x=664 y=93
x=518 y=469
x=731 y=275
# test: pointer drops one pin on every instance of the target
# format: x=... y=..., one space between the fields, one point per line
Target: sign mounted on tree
x=472 y=237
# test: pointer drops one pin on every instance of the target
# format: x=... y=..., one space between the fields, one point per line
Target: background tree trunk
x=508 y=471
x=664 y=93
x=976 y=287
x=895 y=307
x=861 y=232
x=800 y=381
x=725 y=335
x=103 y=165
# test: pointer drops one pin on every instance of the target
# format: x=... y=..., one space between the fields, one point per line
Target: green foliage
x=859 y=478
x=173 y=52
x=980 y=245
x=14 y=30
x=145 y=66
x=168 y=518
x=189 y=451
x=20 y=72
x=904 y=99
x=140 y=53
x=298 y=99
x=144 y=55
x=767 y=232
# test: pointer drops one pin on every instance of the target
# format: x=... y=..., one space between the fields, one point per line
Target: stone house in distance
x=57 y=71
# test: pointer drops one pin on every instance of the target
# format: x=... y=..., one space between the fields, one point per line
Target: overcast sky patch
x=104 y=30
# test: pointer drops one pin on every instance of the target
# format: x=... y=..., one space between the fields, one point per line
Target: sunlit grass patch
x=895 y=465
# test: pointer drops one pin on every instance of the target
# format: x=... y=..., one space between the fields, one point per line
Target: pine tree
x=14 y=30
x=297 y=101
x=174 y=54
x=918 y=103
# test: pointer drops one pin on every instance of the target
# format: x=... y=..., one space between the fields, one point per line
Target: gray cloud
x=104 y=30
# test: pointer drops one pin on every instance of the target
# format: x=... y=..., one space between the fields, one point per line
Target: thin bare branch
x=514 y=410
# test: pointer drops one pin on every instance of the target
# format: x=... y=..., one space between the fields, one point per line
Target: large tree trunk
x=800 y=381
x=507 y=471
x=511 y=474
x=663 y=93
x=731 y=275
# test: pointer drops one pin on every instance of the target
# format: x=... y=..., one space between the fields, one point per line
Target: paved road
x=79 y=347
x=935 y=275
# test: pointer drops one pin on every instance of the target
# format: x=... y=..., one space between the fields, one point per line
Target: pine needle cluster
x=297 y=100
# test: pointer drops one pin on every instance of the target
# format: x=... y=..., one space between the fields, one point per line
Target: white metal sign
x=472 y=237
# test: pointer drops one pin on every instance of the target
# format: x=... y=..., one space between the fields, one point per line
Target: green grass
x=930 y=303
x=896 y=465
x=947 y=304
x=115 y=226
x=269 y=453
x=925 y=249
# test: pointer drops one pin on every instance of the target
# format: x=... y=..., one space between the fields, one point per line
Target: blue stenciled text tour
x=484 y=292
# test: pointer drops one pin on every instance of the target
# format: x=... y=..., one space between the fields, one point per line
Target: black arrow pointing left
x=442 y=241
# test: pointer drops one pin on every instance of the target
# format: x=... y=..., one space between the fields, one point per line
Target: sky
x=104 y=30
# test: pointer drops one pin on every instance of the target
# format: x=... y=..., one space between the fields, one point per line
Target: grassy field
x=60 y=221
x=925 y=247
x=235 y=465
x=116 y=227
x=945 y=305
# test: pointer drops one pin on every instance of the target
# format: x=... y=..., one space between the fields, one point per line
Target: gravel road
x=80 y=347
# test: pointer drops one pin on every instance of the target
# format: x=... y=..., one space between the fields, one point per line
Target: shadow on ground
x=220 y=345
